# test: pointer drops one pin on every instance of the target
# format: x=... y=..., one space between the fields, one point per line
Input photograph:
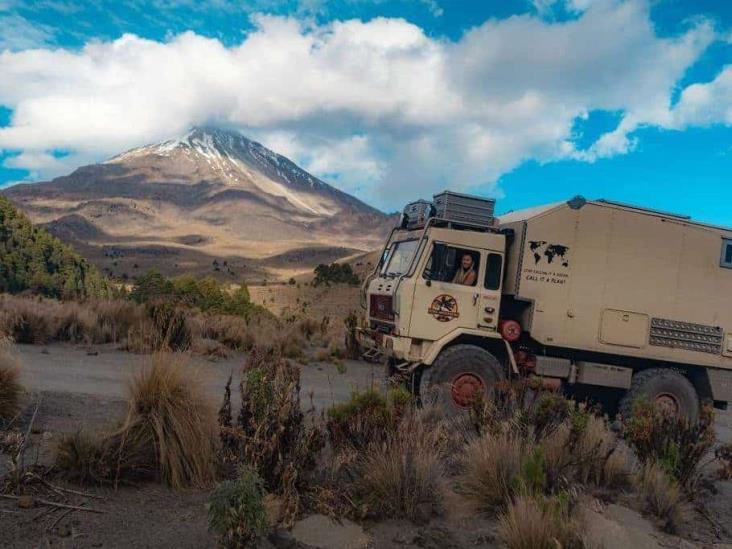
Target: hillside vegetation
x=31 y=259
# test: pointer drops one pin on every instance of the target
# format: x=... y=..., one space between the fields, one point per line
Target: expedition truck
x=589 y=297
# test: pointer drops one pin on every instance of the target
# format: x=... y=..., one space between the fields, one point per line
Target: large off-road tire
x=457 y=373
x=666 y=388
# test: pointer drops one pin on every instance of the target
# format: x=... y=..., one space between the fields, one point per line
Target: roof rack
x=642 y=209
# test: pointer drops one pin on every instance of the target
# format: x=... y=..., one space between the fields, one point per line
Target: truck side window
x=727 y=253
x=452 y=265
x=493 y=268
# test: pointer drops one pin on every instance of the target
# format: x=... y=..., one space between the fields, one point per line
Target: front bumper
x=387 y=345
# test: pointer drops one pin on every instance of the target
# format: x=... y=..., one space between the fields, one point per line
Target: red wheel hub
x=667 y=403
x=464 y=387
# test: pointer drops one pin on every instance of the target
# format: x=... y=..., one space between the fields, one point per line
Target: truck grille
x=380 y=307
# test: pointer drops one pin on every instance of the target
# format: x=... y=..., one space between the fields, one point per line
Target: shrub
x=210 y=348
x=673 y=442
x=353 y=349
x=537 y=523
x=10 y=388
x=270 y=432
x=78 y=457
x=32 y=259
x=366 y=418
x=723 y=454
x=335 y=273
x=661 y=496
x=171 y=330
x=206 y=294
x=75 y=323
x=43 y=320
x=232 y=331
x=25 y=320
x=236 y=511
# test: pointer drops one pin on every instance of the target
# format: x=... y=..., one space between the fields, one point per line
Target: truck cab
x=439 y=279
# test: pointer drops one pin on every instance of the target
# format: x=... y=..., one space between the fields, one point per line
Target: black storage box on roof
x=464 y=208
x=417 y=213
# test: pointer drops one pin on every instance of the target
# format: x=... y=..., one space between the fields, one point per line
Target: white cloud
x=705 y=104
x=378 y=107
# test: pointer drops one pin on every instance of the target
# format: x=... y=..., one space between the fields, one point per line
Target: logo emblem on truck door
x=444 y=308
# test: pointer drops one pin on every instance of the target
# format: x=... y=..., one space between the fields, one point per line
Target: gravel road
x=72 y=369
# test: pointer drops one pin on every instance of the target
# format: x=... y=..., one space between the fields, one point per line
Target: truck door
x=447 y=292
x=490 y=291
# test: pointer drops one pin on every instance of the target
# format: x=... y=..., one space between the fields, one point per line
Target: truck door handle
x=475 y=299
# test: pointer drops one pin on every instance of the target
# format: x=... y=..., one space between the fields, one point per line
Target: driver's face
x=467 y=262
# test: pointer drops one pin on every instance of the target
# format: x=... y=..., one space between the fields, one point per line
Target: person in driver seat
x=466 y=274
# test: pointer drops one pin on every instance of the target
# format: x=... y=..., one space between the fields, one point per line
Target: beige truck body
x=632 y=282
x=601 y=290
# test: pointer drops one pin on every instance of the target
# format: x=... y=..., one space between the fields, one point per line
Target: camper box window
x=727 y=253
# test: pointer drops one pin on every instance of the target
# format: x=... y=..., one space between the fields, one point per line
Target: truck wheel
x=667 y=389
x=457 y=374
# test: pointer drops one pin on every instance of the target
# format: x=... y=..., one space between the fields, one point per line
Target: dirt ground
x=81 y=388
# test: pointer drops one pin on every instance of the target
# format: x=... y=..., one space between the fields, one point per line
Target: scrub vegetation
x=31 y=260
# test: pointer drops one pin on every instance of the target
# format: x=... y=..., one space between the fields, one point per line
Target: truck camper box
x=612 y=278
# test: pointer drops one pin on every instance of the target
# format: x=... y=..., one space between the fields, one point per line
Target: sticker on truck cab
x=444 y=308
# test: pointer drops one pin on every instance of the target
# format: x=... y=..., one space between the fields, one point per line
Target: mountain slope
x=210 y=196
x=31 y=259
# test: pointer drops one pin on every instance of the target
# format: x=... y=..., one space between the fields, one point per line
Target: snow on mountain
x=239 y=161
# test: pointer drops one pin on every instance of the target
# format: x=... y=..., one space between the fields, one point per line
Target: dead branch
x=59 y=505
x=59 y=519
x=58 y=489
x=19 y=456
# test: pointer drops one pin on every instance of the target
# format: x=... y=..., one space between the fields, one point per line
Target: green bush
x=674 y=443
x=236 y=511
x=206 y=294
x=367 y=417
x=271 y=432
x=335 y=273
x=33 y=260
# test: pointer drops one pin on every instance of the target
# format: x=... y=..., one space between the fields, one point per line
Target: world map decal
x=552 y=254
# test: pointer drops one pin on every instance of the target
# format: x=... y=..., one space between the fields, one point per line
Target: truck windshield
x=399 y=258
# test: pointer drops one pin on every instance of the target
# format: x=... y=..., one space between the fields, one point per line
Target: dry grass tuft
x=661 y=496
x=403 y=476
x=491 y=466
x=531 y=523
x=210 y=348
x=78 y=457
x=167 y=408
x=10 y=388
x=168 y=434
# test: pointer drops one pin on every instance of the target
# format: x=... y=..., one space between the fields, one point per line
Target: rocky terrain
x=209 y=201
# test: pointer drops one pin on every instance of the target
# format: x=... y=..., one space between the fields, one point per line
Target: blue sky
x=529 y=101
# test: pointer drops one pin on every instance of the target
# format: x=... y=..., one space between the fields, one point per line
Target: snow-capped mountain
x=210 y=195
